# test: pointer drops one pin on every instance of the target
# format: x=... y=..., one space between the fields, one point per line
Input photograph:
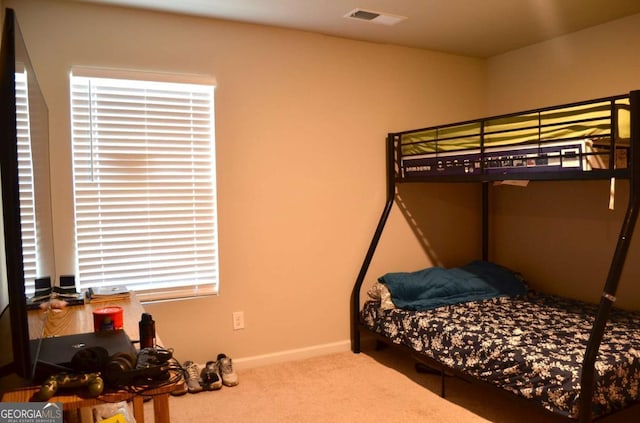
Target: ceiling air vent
x=374 y=17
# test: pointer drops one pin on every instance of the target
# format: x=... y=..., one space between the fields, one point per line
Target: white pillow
x=380 y=292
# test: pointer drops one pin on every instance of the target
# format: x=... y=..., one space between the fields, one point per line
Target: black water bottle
x=147 y=327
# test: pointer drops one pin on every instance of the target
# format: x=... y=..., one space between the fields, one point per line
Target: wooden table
x=79 y=319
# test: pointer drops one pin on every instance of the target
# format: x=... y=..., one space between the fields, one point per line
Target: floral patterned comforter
x=531 y=345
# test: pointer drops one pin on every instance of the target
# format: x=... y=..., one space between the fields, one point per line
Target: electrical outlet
x=238 y=320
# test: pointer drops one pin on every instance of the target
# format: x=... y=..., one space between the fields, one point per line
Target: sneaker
x=192 y=375
x=225 y=367
x=210 y=377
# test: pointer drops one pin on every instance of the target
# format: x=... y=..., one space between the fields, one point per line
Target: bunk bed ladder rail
x=392 y=141
x=615 y=269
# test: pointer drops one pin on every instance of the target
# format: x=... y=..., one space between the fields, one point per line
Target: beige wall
x=567 y=228
x=597 y=62
x=300 y=123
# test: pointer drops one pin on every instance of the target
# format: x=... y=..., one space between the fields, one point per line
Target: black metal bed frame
x=615 y=269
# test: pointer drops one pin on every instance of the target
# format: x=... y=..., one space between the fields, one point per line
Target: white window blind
x=144 y=186
x=25 y=181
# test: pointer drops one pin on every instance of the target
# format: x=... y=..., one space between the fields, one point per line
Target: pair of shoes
x=210 y=377
x=192 y=376
x=225 y=367
x=197 y=380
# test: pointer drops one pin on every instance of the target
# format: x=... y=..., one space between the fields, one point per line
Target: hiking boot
x=192 y=376
x=225 y=367
x=210 y=377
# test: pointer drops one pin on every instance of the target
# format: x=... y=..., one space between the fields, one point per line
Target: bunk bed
x=577 y=360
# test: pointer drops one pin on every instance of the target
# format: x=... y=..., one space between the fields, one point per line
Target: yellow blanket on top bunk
x=591 y=121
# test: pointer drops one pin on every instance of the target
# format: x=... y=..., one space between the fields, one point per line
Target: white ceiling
x=480 y=28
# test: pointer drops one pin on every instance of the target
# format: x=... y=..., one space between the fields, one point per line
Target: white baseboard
x=291 y=355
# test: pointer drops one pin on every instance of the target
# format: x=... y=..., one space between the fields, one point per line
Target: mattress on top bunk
x=531 y=345
x=567 y=138
x=596 y=121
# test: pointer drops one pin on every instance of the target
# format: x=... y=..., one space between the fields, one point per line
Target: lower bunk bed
x=482 y=322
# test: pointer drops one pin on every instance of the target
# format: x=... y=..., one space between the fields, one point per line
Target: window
x=144 y=185
x=25 y=181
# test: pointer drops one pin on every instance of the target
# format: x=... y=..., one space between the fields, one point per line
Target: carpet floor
x=374 y=386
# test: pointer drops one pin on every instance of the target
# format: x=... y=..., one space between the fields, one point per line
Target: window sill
x=175 y=294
